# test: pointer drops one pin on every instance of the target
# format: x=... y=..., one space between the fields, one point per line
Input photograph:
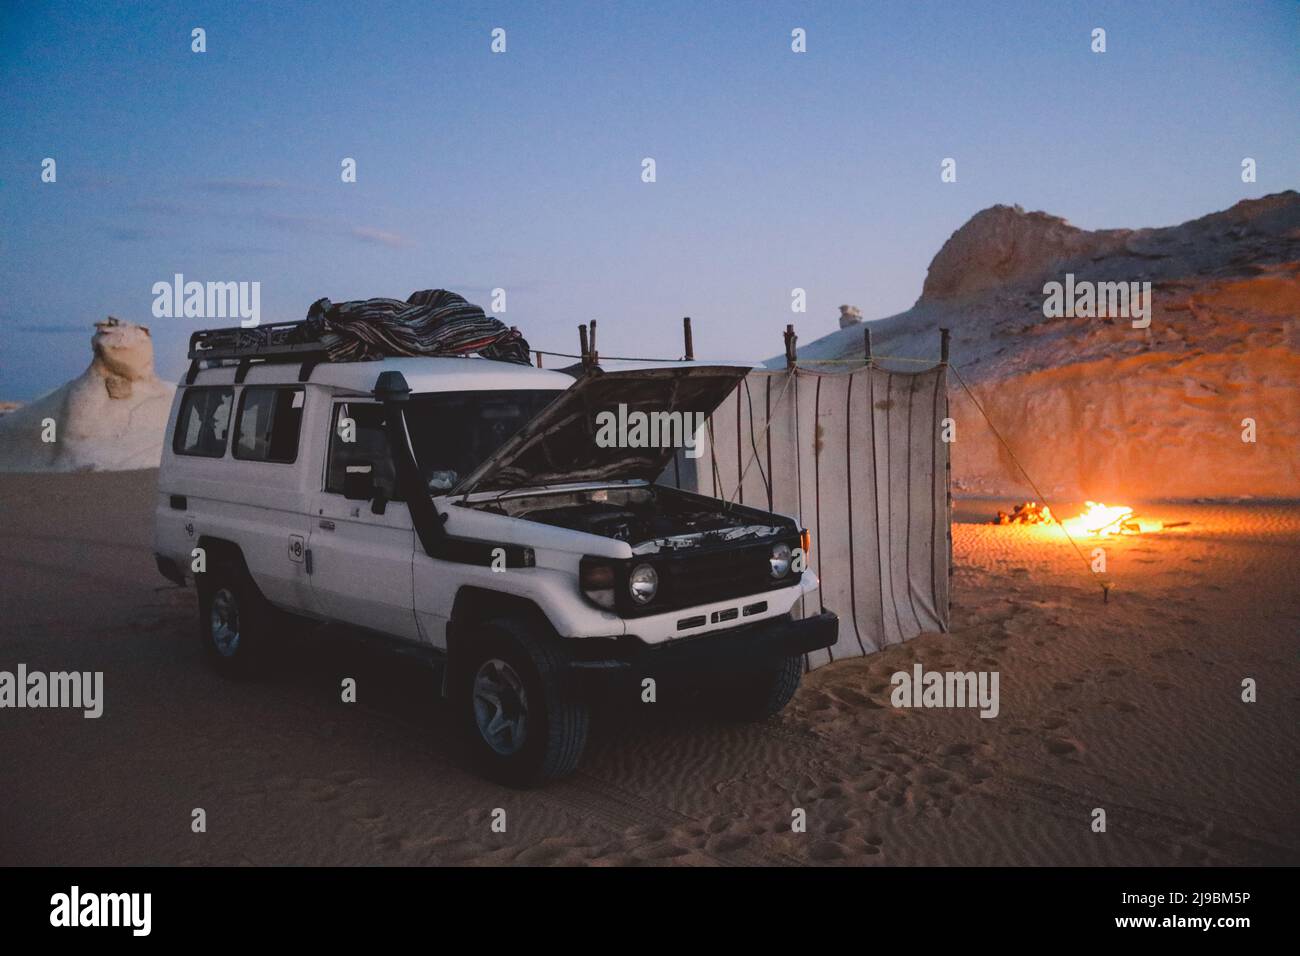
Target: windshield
x=453 y=432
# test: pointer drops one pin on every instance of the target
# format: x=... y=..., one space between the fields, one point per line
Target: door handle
x=326 y=524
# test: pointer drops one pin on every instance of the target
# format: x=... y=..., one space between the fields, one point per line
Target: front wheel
x=762 y=691
x=522 y=724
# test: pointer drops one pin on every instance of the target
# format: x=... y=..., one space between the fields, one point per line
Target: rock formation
x=849 y=315
x=1093 y=407
x=110 y=418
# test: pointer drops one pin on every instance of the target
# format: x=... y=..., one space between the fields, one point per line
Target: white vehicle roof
x=422 y=375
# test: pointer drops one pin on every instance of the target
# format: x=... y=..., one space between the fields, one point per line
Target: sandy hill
x=110 y=418
x=1092 y=406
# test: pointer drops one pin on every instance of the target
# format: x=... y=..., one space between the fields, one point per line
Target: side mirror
x=359 y=482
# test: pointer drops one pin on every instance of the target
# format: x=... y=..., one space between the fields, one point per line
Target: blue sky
x=523 y=170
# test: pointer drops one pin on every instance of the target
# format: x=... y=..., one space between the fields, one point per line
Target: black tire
x=762 y=691
x=229 y=600
x=541 y=732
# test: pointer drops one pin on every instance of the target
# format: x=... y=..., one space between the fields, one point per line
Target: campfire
x=1096 y=521
x=1100 y=520
x=1030 y=512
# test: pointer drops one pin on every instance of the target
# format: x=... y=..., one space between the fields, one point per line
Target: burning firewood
x=1097 y=520
x=1029 y=512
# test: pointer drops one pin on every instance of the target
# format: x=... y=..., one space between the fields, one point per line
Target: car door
x=360 y=560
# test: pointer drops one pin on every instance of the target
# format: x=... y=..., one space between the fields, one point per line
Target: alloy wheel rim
x=225 y=622
x=501 y=707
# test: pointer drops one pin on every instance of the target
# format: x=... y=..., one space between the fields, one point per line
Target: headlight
x=643 y=583
x=779 y=561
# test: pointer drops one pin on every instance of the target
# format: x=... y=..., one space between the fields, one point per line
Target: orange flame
x=1100 y=520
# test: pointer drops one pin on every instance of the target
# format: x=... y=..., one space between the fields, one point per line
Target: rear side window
x=203 y=422
x=358 y=438
x=268 y=424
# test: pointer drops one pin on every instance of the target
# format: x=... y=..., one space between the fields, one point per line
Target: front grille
x=690 y=579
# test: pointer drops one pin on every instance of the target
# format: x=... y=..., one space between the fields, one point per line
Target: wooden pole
x=686 y=334
x=943 y=346
x=595 y=355
x=582 y=346
x=791 y=353
x=539 y=359
x=866 y=344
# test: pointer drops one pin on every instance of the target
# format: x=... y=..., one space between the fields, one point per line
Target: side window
x=203 y=422
x=268 y=424
x=357 y=437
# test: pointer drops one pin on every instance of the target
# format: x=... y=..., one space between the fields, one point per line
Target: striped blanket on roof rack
x=430 y=322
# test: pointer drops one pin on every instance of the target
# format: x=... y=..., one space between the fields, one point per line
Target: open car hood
x=559 y=445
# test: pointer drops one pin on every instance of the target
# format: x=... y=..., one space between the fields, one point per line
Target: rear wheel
x=522 y=724
x=235 y=621
x=762 y=691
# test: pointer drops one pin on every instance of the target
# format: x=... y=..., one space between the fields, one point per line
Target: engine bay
x=649 y=518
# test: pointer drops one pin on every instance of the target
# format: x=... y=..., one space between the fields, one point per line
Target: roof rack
x=273 y=342
x=262 y=343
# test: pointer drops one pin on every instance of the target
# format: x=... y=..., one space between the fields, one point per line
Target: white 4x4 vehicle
x=464 y=505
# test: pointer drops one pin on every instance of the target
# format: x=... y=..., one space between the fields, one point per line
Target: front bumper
x=755 y=644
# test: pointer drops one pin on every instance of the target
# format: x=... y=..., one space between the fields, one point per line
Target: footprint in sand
x=825 y=851
x=819 y=702
x=365 y=812
x=319 y=790
x=1063 y=746
x=668 y=851
x=868 y=783
x=727 y=842
x=544 y=853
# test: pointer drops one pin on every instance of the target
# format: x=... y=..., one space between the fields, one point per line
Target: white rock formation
x=110 y=418
x=1092 y=407
x=850 y=315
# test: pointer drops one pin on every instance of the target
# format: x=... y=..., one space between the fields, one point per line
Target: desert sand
x=1133 y=706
